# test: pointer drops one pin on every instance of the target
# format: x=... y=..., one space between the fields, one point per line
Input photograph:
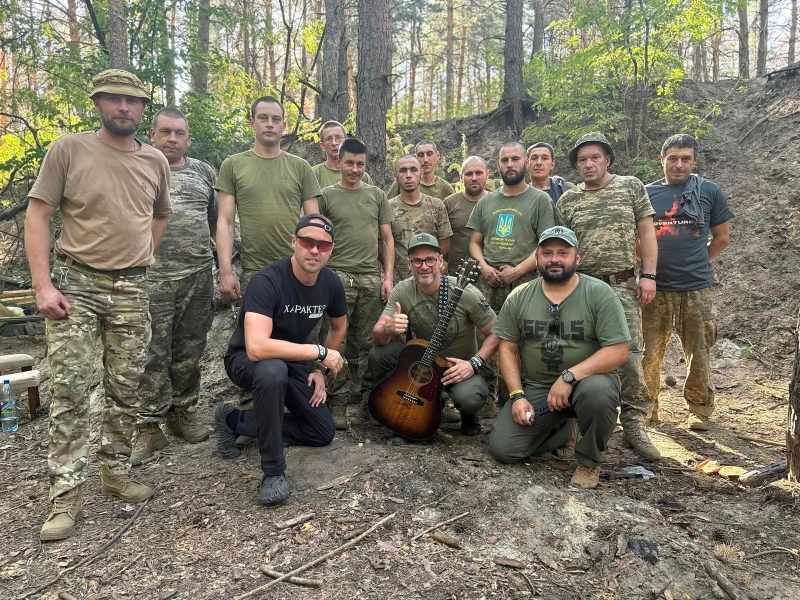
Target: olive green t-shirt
x=426 y=216
x=269 y=196
x=472 y=312
x=440 y=189
x=458 y=208
x=590 y=318
x=511 y=225
x=327 y=176
x=357 y=216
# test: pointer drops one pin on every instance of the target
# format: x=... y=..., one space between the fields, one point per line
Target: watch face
x=568 y=377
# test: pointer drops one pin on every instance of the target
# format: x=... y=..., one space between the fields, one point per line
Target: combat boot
x=61 y=520
x=118 y=482
x=146 y=440
x=181 y=423
x=635 y=436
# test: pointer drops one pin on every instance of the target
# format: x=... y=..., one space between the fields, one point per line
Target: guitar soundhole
x=420 y=374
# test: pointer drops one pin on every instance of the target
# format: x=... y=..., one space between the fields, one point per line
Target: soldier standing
x=541 y=162
x=113 y=193
x=430 y=183
x=607 y=212
x=331 y=136
x=181 y=289
x=459 y=207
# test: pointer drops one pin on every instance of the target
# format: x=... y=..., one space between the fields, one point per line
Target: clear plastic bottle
x=8 y=408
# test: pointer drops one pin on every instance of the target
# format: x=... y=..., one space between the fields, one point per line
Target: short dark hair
x=353 y=146
x=404 y=157
x=170 y=113
x=329 y=125
x=513 y=144
x=266 y=99
x=541 y=145
x=425 y=143
x=680 y=140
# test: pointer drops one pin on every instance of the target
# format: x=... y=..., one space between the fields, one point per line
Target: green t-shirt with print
x=472 y=312
x=590 y=318
x=327 y=176
x=269 y=196
x=426 y=216
x=439 y=189
x=511 y=225
x=357 y=216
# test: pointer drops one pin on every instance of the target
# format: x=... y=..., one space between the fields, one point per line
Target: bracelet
x=322 y=368
x=515 y=392
x=323 y=352
x=476 y=362
x=647 y=276
x=513 y=397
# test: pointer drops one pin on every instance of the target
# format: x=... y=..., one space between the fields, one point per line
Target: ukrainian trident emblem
x=505 y=224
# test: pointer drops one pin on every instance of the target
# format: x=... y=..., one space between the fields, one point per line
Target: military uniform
x=440 y=189
x=426 y=216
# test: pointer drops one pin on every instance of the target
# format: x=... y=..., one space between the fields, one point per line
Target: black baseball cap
x=308 y=221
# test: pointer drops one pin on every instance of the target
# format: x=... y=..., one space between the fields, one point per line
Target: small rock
x=644 y=548
x=492 y=539
x=671 y=381
x=237 y=573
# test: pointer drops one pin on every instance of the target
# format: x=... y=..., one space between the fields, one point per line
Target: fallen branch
x=727 y=586
x=758 y=440
x=778 y=550
x=448 y=541
x=438 y=525
x=759 y=476
x=92 y=556
x=295 y=521
x=15 y=507
x=316 y=561
x=295 y=580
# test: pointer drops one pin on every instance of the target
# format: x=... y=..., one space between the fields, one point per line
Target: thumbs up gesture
x=398 y=324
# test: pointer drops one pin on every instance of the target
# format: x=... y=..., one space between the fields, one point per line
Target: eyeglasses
x=430 y=261
x=309 y=243
x=333 y=138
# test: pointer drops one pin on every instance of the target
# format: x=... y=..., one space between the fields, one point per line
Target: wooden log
x=295 y=521
x=758 y=440
x=295 y=580
x=764 y=474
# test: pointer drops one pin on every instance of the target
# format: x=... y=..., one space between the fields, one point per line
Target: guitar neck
x=441 y=327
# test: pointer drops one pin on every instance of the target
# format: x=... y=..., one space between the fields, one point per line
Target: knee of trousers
x=501 y=452
x=382 y=359
x=470 y=395
x=324 y=435
x=269 y=373
x=597 y=393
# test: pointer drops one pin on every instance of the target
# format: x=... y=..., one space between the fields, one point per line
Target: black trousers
x=277 y=384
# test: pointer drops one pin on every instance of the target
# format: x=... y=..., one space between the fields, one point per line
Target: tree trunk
x=117 y=54
x=431 y=85
x=488 y=97
x=793 y=32
x=697 y=61
x=793 y=423
x=199 y=66
x=331 y=59
x=461 y=56
x=74 y=32
x=744 y=40
x=373 y=83
x=715 y=51
x=513 y=87
x=270 y=44
x=412 y=77
x=539 y=25
x=449 y=62
x=763 y=32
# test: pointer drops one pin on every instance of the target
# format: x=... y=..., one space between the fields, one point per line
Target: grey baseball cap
x=595 y=137
x=424 y=239
x=561 y=233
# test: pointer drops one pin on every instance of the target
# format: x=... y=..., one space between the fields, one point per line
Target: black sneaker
x=274 y=489
x=470 y=425
x=226 y=437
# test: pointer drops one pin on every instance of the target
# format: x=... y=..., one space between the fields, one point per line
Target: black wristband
x=514 y=397
x=323 y=352
x=647 y=276
x=476 y=362
x=323 y=369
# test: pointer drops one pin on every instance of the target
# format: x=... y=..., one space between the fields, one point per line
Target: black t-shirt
x=293 y=307
x=683 y=263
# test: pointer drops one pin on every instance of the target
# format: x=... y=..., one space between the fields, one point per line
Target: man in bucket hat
x=607 y=212
x=113 y=193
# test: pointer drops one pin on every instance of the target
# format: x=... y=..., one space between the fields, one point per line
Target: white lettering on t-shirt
x=313 y=311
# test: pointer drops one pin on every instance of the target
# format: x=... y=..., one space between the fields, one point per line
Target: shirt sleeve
x=394 y=190
x=367 y=179
x=162 y=207
x=49 y=184
x=447 y=188
x=478 y=307
x=641 y=201
x=226 y=180
x=261 y=296
x=396 y=295
x=720 y=211
x=323 y=204
x=476 y=218
x=507 y=325
x=308 y=182
x=611 y=326
x=384 y=210
x=443 y=229
x=213 y=207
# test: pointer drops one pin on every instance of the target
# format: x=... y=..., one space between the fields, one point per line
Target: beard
x=512 y=180
x=566 y=273
x=119 y=129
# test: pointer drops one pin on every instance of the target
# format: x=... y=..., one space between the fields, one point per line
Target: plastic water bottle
x=8 y=408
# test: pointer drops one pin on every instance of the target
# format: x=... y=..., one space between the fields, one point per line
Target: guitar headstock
x=467 y=272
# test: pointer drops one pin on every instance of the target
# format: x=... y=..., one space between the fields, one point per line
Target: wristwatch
x=569 y=377
x=647 y=276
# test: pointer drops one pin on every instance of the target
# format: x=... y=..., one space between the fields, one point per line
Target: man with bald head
x=459 y=207
x=430 y=183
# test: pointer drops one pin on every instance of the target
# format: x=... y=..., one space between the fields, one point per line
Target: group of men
x=328 y=258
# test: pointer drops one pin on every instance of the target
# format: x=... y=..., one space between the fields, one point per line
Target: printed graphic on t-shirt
x=551 y=334
x=314 y=311
x=424 y=317
x=675 y=222
x=505 y=225
x=504 y=228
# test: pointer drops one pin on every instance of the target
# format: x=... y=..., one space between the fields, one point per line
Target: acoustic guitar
x=409 y=400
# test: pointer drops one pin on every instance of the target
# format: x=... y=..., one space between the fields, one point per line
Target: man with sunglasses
x=268 y=355
x=415 y=304
x=561 y=338
x=331 y=136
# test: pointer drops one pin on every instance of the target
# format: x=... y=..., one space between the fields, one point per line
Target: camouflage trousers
x=635 y=400
x=113 y=309
x=364 y=308
x=244 y=280
x=181 y=313
x=694 y=318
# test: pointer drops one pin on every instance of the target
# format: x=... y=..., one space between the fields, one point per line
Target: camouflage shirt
x=605 y=222
x=186 y=247
x=426 y=216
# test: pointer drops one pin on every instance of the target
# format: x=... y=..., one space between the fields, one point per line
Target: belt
x=129 y=272
x=620 y=277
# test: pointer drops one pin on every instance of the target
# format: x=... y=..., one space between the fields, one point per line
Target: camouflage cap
x=561 y=233
x=118 y=81
x=595 y=137
x=424 y=239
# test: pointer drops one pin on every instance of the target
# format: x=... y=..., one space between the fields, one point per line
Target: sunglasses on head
x=309 y=243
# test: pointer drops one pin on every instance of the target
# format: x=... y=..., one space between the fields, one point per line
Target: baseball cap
x=424 y=239
x=595 y=137
x=307 y=221
x=118 y=81
x=561 y=233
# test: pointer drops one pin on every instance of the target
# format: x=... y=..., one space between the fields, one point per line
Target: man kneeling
x=268 y=355
x=568 y=332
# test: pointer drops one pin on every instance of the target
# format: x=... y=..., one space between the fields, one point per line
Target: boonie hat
x=595 y=137
x=424 y=239
x=118 y=81
x=306 y=221
x=561 y=233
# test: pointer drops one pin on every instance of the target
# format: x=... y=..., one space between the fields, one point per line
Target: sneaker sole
x=227 y=451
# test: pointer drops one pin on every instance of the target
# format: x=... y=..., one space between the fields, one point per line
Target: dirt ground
x=204 y=535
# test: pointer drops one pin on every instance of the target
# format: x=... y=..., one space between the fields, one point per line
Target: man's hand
x=460 y=371
x=520 y=410
x=52 y=303
x=317 y=380
x=558 y=398
x=333 y=361
x=386 y=289
x=491 y=275
x=229 y=288
x=398 y=323
x=645 y=291
x=508 y=274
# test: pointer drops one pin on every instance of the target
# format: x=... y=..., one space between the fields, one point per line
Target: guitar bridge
x=410 y=397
